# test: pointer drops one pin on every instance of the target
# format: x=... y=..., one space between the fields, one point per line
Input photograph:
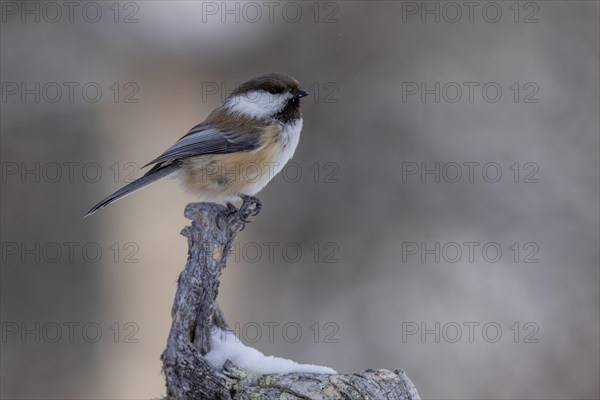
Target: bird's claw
x=225 y=214
x=251 y=206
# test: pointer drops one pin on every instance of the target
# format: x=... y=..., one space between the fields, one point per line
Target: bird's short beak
x=300 y=94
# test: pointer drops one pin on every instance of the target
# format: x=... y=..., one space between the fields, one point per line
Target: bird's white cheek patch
x=257 y=104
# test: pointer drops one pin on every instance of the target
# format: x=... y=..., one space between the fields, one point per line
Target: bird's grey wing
x=205 y=139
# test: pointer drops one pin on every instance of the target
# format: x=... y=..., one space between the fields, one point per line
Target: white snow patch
x=226 y=346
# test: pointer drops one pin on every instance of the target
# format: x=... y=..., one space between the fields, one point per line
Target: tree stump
x=195 y=313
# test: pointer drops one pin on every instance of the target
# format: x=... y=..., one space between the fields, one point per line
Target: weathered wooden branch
x=195 y=313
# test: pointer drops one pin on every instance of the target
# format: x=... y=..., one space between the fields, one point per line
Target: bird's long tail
x=153 y=175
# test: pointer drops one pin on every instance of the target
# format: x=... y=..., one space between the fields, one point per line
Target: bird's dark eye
x=273 y=90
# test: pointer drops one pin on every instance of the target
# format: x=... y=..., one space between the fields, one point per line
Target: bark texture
x=195 y=313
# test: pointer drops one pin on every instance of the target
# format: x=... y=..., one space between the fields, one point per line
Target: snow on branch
x=204 y=359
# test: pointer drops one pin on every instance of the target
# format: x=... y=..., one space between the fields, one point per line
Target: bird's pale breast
x=222 y=177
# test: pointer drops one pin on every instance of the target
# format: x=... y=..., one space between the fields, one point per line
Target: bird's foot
x=226 y=214
x=251 y=206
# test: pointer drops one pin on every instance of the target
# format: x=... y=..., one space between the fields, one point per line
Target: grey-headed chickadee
x=238 y=148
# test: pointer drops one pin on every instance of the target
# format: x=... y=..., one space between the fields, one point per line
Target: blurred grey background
x=352 y=280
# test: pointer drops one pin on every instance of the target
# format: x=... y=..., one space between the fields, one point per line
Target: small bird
x=238 y=148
